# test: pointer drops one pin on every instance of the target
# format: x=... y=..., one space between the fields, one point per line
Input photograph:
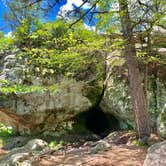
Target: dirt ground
x=121 y=152
x=117 y=156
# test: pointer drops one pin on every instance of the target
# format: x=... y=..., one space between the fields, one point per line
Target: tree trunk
x=154 y=89
x=137 y=93
x=146 y=83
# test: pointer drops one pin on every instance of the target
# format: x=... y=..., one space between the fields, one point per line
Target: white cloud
x=69 y=6
x=92 y=28
x=9 y=34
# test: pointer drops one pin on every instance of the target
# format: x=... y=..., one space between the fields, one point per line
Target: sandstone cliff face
x=46 y=107
x=117 y=100
x=46 y=111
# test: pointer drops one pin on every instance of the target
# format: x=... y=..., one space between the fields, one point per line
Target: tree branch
x=99 y=12
x=29 y=4
x=83 y=15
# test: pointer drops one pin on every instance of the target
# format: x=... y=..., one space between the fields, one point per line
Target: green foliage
x=22 y=33
x=139 y=143
x=1 y=34
x=5 y=82
x=5 y=133
x=53 y=144
x=53 y=48
x=5 y=130
x=106 y=22
x=159 y=40
x=52 y=61
x=56 y=145
x=55 y=35
x=6 y=42
x=50 y=35
x=9 y=89
x=94 y=92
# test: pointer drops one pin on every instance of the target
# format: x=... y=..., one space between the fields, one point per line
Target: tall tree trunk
x=145 y=81
x=137 y=93
x=154 y=89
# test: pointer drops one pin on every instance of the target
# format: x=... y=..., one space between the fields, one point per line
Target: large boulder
x=117 y=98
x=117 y=101
x=156 y=155
x=44 y=103
x=46 y=110
x=12 y=69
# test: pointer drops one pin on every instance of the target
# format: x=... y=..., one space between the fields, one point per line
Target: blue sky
x=2 y=23
x=64 y=6
x=51 y=16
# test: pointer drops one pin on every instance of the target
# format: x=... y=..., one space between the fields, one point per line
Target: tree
x=134 y=16
x=137 y=93
x=14 y=16
x=6 y=42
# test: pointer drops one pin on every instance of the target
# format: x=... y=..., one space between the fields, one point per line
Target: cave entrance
x=98 y=122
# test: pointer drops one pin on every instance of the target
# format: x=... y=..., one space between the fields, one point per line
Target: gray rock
x=44 y=110
x=16 y=142
x=24 y=156
x=10 y=57
x=47 y=110
x=117 y=101
x=156 y=155
x=161 y=124
x=102 y=145
x=37 y=145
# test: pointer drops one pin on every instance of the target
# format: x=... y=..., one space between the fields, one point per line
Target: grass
x=5 y=133
x=56 y=145
x=139 y=143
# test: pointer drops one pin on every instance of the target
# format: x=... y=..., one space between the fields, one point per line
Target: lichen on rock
x=156 y=155
x=161 y=124
x=40 y=103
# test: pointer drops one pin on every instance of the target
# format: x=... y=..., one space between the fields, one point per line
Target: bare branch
x=29 y=4
x=99 y=12
x=83 y=15
x=13 y=12
x=79 y=7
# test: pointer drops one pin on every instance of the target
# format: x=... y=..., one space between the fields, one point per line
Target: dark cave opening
x=98 y=122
